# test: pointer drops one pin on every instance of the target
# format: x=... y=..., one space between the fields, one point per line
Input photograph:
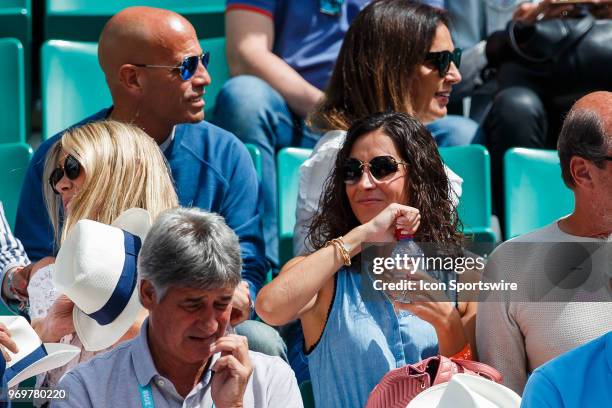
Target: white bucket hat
x=467 y=391
x=96 y=269
x=33 y=357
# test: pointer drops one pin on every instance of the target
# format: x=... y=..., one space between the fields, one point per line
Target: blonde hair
x=124 y=168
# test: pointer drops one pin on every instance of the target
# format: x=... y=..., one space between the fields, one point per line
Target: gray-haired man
x=189 y=266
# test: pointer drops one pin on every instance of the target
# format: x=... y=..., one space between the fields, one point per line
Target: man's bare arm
x=250 y=36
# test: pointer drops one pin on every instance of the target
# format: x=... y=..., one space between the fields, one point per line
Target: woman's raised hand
x=396 y=216
x=58 y=321
x=23 y=275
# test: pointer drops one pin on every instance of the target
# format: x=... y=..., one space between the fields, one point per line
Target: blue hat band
x=38 y=354
x=125 y=286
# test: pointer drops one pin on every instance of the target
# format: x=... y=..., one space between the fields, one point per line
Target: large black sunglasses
x=187 y=68
x=379 y=167
x=71 y=169
x=442 y=60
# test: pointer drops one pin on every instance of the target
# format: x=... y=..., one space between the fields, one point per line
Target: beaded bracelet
x=464 y=354
x=339 y=243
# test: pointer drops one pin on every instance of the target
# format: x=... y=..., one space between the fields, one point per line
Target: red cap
x=400 y=235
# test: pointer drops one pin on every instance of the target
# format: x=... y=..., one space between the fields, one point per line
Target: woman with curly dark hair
x=388 y=176
x=427 y=188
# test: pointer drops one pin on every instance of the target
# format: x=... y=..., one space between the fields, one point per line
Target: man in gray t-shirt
x=515 y=336
x=185 y=355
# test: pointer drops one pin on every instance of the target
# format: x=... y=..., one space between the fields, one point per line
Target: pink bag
x=398 y=387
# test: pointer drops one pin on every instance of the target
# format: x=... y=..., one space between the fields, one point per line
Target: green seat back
x=288 y=162
x=218 y=70
x=12 y=92
x=472 y=164
x=535 y=194
x=14 y=159
x=256 y=156
x=83 y=20
x=16 y=20
x=74 y=87
x=73 y=84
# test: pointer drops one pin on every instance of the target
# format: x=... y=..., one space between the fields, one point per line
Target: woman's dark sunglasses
x=71 y=169
x=379 y=167
x=187 y=68
x=442 y=60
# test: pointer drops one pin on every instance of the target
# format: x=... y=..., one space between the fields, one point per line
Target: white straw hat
x=33 y=357
x=466 y=391
x=96 y=269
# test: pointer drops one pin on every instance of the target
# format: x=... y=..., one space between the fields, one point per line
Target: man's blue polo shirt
x=582 y=377
x=211 y=170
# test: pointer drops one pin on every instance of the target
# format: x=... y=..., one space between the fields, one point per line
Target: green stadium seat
x=74 y=87
x=535 y=194
x=256 y=156
x=16 y=22
x=472 y=163
x=288 y=162
x=83 y=20
x=14 y=159
x=73 y=84
x=12 y=92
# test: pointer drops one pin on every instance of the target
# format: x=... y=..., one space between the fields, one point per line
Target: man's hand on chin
x=231 y=371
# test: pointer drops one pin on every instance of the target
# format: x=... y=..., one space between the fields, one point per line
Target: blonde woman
x=122 y=168
x=95 y=171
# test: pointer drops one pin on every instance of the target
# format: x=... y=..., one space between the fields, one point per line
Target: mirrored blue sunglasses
x=187 y=68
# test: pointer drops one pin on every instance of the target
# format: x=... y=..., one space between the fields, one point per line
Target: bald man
x=517 y=337
x=154 y=68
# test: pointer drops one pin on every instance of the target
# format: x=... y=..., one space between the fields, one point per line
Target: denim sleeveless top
x=363 y=339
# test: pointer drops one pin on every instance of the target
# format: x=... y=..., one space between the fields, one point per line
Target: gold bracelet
x=339 y=243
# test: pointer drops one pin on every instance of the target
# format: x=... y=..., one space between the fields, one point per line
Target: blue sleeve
x=242 y=209
x=33 y=226
x=76 y=393
x=12 y=255
x=11 y=251
x=540 y=392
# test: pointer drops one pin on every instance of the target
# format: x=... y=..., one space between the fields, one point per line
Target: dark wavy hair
x=377 y=62
x=426 y=180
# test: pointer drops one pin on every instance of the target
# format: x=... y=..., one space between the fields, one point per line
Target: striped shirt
x=12 y=253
